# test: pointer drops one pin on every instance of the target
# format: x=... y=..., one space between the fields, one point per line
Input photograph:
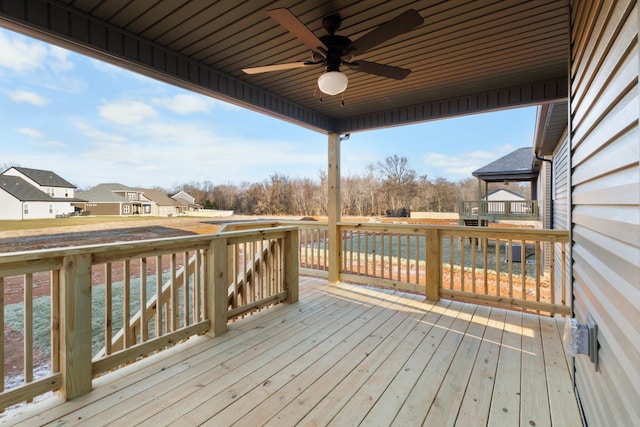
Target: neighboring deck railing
x=91 y=321
x=498 y=209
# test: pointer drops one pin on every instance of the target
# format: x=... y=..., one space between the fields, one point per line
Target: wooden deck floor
x=343 y=356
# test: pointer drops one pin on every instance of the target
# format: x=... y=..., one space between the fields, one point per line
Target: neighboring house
x=114 y=199
x=185 y=202
x=503 y=194
x=35 y=194
x=158 y=203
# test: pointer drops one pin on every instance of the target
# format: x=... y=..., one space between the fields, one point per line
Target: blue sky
x=92 y=122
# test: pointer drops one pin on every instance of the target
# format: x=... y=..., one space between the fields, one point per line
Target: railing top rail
x=121 y=250
x=252 y=225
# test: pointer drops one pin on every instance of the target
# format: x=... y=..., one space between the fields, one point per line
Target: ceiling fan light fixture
x=333 y=82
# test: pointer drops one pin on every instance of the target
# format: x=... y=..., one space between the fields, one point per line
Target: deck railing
x=499 y=266
x=498 y=209
x=112 y=304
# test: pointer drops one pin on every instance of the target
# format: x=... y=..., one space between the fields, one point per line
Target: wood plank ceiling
x=468 y=56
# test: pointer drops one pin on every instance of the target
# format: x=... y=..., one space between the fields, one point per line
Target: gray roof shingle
x=44 y=178
x=22 y=190
x=105 y=193
x=519 y=164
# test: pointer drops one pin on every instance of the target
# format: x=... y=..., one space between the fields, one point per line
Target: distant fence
x=210 y=213
x=435 y=215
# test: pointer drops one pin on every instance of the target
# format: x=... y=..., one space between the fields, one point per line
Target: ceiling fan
x=333 y=51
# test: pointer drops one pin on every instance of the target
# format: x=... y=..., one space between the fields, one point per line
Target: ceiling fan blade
x=402 y=23
x=379 y=69
x=289 y=21
x=279 y=67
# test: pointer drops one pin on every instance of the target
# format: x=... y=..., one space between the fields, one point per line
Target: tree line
x=390 y=187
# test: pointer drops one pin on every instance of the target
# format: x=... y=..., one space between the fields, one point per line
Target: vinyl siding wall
x=605 y=197
x=561 y=218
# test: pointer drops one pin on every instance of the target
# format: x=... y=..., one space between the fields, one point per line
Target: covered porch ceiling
x=467 y=57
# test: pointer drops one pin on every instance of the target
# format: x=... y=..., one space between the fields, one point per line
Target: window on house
x=51 y=192
x=25 y=209
x=50 y=209
x=126 y=209
x=132 y=196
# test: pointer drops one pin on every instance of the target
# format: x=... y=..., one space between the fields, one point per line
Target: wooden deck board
x=343 y=355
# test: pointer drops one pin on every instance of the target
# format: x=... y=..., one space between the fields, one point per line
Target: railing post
x=291 y=265
x=75 y=326
x=217 y=286
x=433 y=264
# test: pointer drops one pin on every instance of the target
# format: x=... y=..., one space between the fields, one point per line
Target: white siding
x=605 y=179
x=10 y=207
x=561 y=218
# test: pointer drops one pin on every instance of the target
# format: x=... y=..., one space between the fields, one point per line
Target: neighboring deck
x=343 y=355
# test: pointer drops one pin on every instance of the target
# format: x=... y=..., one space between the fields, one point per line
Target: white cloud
x=126 y=112
x=34 y=133
x=28 y=97
x=186 y=103
x=19 y=54
x=96 y=134
x=462 y=164
x=58 y=59
x=56 y=144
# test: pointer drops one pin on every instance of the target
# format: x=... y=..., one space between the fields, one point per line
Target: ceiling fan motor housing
x=336 y=46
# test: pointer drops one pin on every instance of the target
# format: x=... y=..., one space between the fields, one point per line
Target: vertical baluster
x=2 y=329
x=351 y=233
x=108 y=308
x=399 y=258
x=268 y=265
x=563 y=260
x=126 y=304
x=497 y=247
x=54 y=277
x=159 y=302
x=462 y=241
x=249 y=290
x=451 y=261
x=552 y=273
x=254 y=274
x=304 y=259
x=174 y=294
x=185 y=292
x=473 y=241
x=382 y=254
x=537 y=255
x=28 y=328
x=523 y=267
x=197 y=285
x=417 y=257
x=408 y=258
x=509 y=249
x=485 y=262
x=144 y=322
x=366 y=252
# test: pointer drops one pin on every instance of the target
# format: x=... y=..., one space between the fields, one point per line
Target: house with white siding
x=27 y=193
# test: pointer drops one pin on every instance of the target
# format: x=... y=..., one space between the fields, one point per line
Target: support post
x=75 y=326
x=291 y=265
x=217 y=287
x=334 y=208
x=433 y=264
